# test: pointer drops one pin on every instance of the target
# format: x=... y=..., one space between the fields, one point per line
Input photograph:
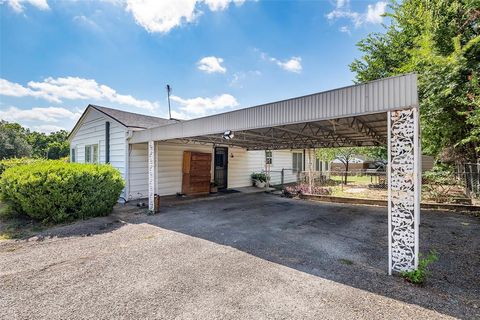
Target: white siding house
x=100 y=129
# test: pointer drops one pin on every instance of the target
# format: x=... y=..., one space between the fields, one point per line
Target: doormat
x=227 y=191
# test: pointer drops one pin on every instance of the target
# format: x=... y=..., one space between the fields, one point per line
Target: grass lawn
x=357 y=180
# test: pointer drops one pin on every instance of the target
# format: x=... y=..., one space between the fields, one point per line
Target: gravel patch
x=249 y=256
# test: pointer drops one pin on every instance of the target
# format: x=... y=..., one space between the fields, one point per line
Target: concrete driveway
x=254 y=256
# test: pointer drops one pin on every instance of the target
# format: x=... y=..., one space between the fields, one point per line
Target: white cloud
x=164 y=15
x=294 y=64
x=47 y=128
x=211 y=65
x=218 y=5
x=46 y=114
x=196 y=107
x=345 y=29
x=239 y=77
x=72 y=88
x=85 y=21
x=373 y=13
x=18 y=5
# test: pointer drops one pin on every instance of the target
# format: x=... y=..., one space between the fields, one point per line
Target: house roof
x=128 y=119
x=131 y=119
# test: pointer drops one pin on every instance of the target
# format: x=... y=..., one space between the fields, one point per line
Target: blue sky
x=56 y=57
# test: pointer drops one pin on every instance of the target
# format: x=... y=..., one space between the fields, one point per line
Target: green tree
x=50 y=146
x=344 y=154
x=13 y=142
x=438 y=39
x=57 y=150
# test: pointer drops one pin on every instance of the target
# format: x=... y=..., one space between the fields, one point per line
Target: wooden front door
x=221 y=167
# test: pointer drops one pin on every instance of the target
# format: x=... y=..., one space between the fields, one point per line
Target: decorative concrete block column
x=404 y=189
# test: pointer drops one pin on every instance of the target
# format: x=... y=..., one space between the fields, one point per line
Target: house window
x=318 y=165
x=91 y=153
x=72 y=155
x=268 y=157
x=297 y=161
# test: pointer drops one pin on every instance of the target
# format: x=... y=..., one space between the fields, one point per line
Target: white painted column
x=404 y=189
x=152 y=181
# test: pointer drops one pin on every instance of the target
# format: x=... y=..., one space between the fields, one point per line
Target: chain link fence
x=458 y=187
x=468 y=174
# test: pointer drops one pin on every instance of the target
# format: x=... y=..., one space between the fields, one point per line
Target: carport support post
x=404 y=189
x=151 y=176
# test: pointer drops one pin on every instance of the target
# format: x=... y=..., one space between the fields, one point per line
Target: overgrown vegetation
x=55 y=191
x=419 y=275
x=439 y=40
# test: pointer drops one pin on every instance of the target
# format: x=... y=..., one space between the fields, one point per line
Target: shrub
x=419 y=275
x=55 y=191
x=13 y=162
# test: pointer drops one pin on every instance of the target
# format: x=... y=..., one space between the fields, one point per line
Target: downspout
x=107 y=142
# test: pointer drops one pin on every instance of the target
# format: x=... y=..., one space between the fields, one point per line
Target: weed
x=419 y=275
x=346 y=262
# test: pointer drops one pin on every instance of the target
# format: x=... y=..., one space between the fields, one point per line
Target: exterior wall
x=92 y=131
x=169 y=168
x=241 y=163
x=138 y=171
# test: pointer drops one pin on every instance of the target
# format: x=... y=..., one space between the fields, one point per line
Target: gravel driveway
x=250 y=256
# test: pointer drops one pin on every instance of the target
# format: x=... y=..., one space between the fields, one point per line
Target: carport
x=381 y=112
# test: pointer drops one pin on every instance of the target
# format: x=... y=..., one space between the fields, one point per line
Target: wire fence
x=468 y=174
x=459 y=187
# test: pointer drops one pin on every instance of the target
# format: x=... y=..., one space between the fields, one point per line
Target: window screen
x=72 y=156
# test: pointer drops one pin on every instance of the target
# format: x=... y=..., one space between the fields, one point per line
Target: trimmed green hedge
x=55 y=191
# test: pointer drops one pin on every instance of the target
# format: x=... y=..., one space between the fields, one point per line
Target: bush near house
x=55 y=191
x=14 y=162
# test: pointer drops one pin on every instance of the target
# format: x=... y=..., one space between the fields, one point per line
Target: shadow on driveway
x=339 y=242
x=343 y=243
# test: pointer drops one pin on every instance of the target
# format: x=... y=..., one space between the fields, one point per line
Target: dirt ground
x=253 y=256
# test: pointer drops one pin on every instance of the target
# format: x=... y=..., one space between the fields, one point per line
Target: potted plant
x=259 y=179
x=213 y=187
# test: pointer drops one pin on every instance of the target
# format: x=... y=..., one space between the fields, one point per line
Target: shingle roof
x=133 y=120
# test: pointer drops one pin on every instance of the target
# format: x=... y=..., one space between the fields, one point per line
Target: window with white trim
x=91 y=153
x=268 y=157
x=297 y=161
x=72 y=155
x=318 y=165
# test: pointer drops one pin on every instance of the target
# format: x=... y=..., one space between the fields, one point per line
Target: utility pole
x=169 y=89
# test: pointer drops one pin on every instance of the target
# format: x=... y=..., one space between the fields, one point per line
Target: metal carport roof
x=349 y=116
